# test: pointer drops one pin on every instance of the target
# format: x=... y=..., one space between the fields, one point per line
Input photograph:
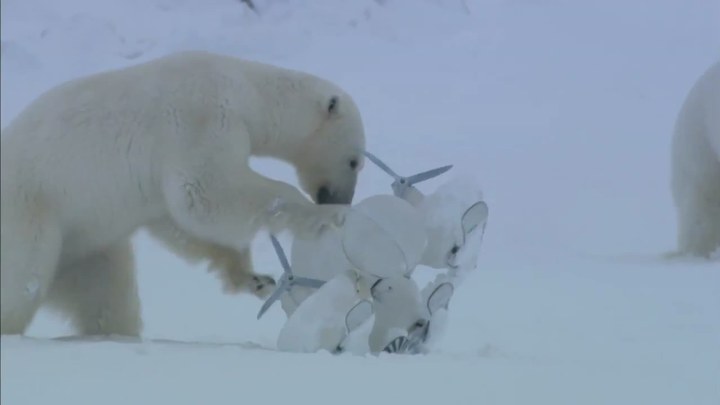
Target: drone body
x=364 y=270
x=451 y=213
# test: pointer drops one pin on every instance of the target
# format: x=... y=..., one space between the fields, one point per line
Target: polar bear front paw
x=261 y=286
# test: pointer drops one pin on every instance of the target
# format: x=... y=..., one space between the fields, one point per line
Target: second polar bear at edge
x=164 y=145
x=695 y=181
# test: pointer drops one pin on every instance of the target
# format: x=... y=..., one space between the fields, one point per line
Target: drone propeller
x=402 y=184
x=281 y=254
x=355 y=317
x=418 y=333
x=440 y=297
x=382 y=165
x=417 y=178
x=287 y=280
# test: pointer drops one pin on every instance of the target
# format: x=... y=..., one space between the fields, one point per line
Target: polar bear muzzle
x=325 y=195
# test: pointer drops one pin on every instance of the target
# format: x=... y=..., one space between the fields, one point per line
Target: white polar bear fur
x=696 y=167
x=164 y=145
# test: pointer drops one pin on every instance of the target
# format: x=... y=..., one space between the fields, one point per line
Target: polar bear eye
x=353 y=164
x=332 y=105
x=455 y=249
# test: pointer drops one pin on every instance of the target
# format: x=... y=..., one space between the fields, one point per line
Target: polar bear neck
x=279 y=108
x=269 y=137
x=285 y=121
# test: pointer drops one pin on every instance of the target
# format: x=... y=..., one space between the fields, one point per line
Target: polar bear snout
x=326 y=195
x=323 y=195
x=327 y=181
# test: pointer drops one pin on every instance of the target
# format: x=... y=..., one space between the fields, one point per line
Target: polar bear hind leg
x=99 y=293
x=699 y=223
x=31 y=245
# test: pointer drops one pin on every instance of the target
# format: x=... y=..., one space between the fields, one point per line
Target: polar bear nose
x=325 y=196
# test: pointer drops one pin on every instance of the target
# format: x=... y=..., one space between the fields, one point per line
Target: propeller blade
x=475 y=215
x=382 y=165
x=397 y=345
x=308 y=282
x=357 y=315
x=281 y=288
x=280 y=253
x=416 y=337
x=440 y=298
x=417 y=178
x=284 y=282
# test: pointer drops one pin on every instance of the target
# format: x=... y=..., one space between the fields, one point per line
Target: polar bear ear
x=332 y=105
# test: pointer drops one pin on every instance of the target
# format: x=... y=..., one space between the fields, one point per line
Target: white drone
x=339 y=281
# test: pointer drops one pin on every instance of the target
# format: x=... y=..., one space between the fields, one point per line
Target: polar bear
x=164 y=146
x=695 y=180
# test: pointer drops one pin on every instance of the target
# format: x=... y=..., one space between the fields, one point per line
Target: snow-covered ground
x=562 y=110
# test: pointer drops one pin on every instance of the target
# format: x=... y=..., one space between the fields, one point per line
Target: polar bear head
x=331 y=155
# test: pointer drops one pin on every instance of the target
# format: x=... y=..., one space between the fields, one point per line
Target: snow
x=562 y=110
